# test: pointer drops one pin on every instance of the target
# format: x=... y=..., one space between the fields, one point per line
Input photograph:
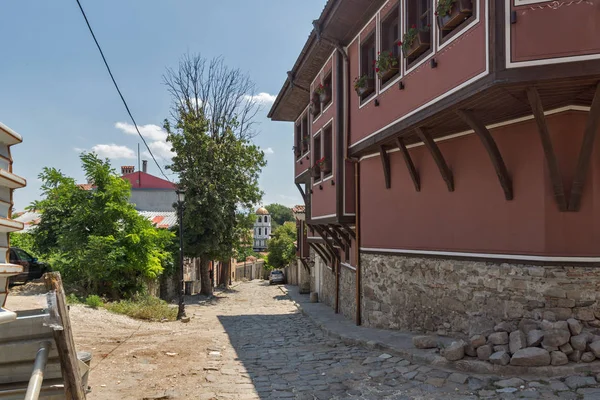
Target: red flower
x=414 y=26
x=399 y=43
x=435 y=13
x=390 y=53
x=429 y=25
x=376 y=69
x=374 y=62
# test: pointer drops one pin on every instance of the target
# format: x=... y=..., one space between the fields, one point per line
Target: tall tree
x=281 y=246
x=280 y=214
x=216 y=162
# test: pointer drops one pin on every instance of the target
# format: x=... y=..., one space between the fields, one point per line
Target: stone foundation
x=463 y=298
x=327 y=295
x=348 y=293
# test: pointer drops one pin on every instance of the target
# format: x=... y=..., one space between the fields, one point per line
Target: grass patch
x=146 y=308
x=94 y=301
x=73 y=299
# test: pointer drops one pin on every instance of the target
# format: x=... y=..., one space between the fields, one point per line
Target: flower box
x=419 y=45
x=460 y=11
x=367 y=88
x=325 y=97
x=326 y=166
x=387 y=75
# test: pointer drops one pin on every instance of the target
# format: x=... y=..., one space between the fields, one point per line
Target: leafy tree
x=95 y=238
x=279 y=215
x=243 y=248
x=22 y=240
x=281 y=246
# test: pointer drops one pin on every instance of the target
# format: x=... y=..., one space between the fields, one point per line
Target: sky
x=56 y=92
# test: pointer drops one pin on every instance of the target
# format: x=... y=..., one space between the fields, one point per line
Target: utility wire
x=119 y=90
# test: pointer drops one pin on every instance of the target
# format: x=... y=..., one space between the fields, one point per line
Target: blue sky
x=57 y=94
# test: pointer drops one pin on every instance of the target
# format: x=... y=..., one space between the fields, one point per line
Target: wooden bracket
x=320 y=252
x=337 y=240
x=492 y=149
x=585 y=154
x=348 y=230
x=304 y=263
x=414 y=175
x=538 y=113
x=437 y=157
x=385 y=162
x=301 y=192
x=329 y=246
x=342 y=234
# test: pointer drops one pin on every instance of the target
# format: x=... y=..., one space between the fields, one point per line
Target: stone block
x=497 y=338
x=454 y=352
x=575 y=356
x=536 y=271
x=562 y=313
x=477 y=341
x=505 y=326
x=549 y=348
x=576 y=381
x=588 y=357
x=502 y=347
x=531 y=357
x=534 y=337
x=574 y=326
x=558 y=358
x=512 y=382
x=533 y=304
x=568 y=303
x=517 y=341
x=566 y=348
x=470 y=351
x=584 y=314
x=595 y=348
x=500 y=358
x=549 y=316
x=527 y=325
x=579 y=342
x=563 y=325
x=594 y=324
x=556 y=337
x=555 y=292
x=484 y=352
x=425 y=342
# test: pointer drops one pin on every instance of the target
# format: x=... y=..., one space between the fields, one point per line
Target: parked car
x=276 y=277
x=32 y=268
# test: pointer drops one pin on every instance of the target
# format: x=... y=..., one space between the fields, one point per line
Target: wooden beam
x=385 y=162
x=349 y=231
x=329 y=246
x=303 y=261
x=342 y=234
x=337 y=240
x=414 y=175
x=492 y=149
x=585 y=154
x=301 y=192
x=319 y=252
x=437 y=157
x=538 y=113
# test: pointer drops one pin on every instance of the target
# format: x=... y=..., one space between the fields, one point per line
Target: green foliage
x=281 y=247
x=73 y=299
x=96 y=238
x=444 y=7
x=94 y=301
x=280 y=214
x=145 y=307
x=242 y=249
x=23 y=241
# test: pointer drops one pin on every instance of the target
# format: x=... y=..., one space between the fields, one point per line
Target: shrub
x=73 y=299
x=144 y=307
x=94 y=301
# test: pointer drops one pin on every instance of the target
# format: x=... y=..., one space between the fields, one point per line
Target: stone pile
x=529 y=343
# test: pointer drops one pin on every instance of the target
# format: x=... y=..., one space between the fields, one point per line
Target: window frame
x=460 y=29
x=372 y=35
x=396 y=8
x=414 y=63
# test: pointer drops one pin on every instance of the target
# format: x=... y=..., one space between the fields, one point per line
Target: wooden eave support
x=303 y=261
x=320 y=252
x=538 y=113
x=437 y=157
x=585 y=154
x=342 y=234
x=385 y=162
x=301 y=192
x=329 y=246
x=349 y=230
x=335 y=238
x=414 y=175
x=492 y=149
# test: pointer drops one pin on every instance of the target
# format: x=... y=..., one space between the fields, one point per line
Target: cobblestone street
x=277 y=352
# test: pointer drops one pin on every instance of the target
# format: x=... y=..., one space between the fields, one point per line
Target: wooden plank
x=414 y=175
x=385 y=163
x=537 y=109
x=64 y=341
x=585 y=154
x=437 y=157
x=492 y=149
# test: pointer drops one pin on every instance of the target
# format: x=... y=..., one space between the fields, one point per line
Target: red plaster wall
x=300 y=168
x=349 y=188
x=546 y=31
x=476 y=217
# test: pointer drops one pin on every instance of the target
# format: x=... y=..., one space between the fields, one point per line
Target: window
x=459 y=15
x=328 y=88
x=367 y=65
x=259 y=231
x=305 y=134
x=418 y=20
x=266 y=219
x=259 y=219
x=327 y=168
x=390 y=36
x=298 y=150
x=317 y=156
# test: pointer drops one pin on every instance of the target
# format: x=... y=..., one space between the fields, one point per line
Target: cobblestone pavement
x=275 y=352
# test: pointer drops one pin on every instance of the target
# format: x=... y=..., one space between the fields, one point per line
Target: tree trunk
x=225 y=273
x=205 y=283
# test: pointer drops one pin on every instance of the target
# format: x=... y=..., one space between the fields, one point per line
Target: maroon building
x=448 y=159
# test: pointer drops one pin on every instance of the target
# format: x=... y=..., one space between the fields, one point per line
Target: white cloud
x=160 y=150
x=113 y=151
x=262 y=98
x=150 y=131
x=269 y=150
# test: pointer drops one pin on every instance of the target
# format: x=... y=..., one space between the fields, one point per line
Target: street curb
x=475 y=367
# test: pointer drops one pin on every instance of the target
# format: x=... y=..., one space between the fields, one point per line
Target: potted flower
x=316 y=171
x=451 y=13
x=305 y=144
x=415 y=42
x=324 y=165
x=363 y=84
x=386 y=65
x=315 y=105
x=324 y=93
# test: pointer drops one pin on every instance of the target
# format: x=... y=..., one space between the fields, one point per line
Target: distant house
x=149 y=192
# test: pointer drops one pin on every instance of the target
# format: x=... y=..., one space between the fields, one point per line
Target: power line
x=119 y=90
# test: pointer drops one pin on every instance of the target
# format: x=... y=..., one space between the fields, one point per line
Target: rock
x=579 y=341
x=500 y=358
x=512 y=382
x=534 y=337
x=507 y=390
x=384 y=356
x=556 y=337
x=550 y=316
x=454 y=352
x=185 y=320
x=563 y=325
x=588 y=357
x=549 y=348
x=576 y=381
x=595 y=323
x=530 y=357
x=470 y=351
x=527 y=325
x=546 y=325
x=595 y=348
x=584 y=314
x=370 y=360
x=505 y=326
x=517 y=341
x=574 y=326
x=477 y=341
x=484 y=352
x=558 y=386
x=558 y=358
x=502 y=347
x=498 y=338
x=424 y=342
x=458 y=378
x=555 y=292
x=575 y=356
x=566 y=348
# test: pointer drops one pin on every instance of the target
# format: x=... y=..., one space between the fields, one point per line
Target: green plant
x=144 y=307
x=385 y=62
x=321 y=89
x=73 y=299
x=409 y=38
x=444 y=7
x=94 y=301
x=360 y=82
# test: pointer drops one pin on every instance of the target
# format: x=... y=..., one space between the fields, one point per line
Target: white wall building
x=262 y=229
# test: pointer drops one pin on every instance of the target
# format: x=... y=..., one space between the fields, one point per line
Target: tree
x=216 y=162
x=279 y=215
x=96 y=238
x=281 y=248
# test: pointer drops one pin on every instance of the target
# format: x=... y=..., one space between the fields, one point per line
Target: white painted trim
x=323 y=216
x=445 y=94
x=303 y=155
x=525 y=2
x=544 y=61
x=492 y=126
x=300 y=174
x=522 y=257
x=373 y=95
x=348 y=266
x=9 y=137
x=461 y=31
x=392 y=83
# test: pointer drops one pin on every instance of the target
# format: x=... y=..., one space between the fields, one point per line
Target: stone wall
x=460 y=297
x=327 y=295
x=348 y=292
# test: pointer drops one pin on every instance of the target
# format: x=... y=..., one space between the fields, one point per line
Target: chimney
x=127 y=169
x=144 y=165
